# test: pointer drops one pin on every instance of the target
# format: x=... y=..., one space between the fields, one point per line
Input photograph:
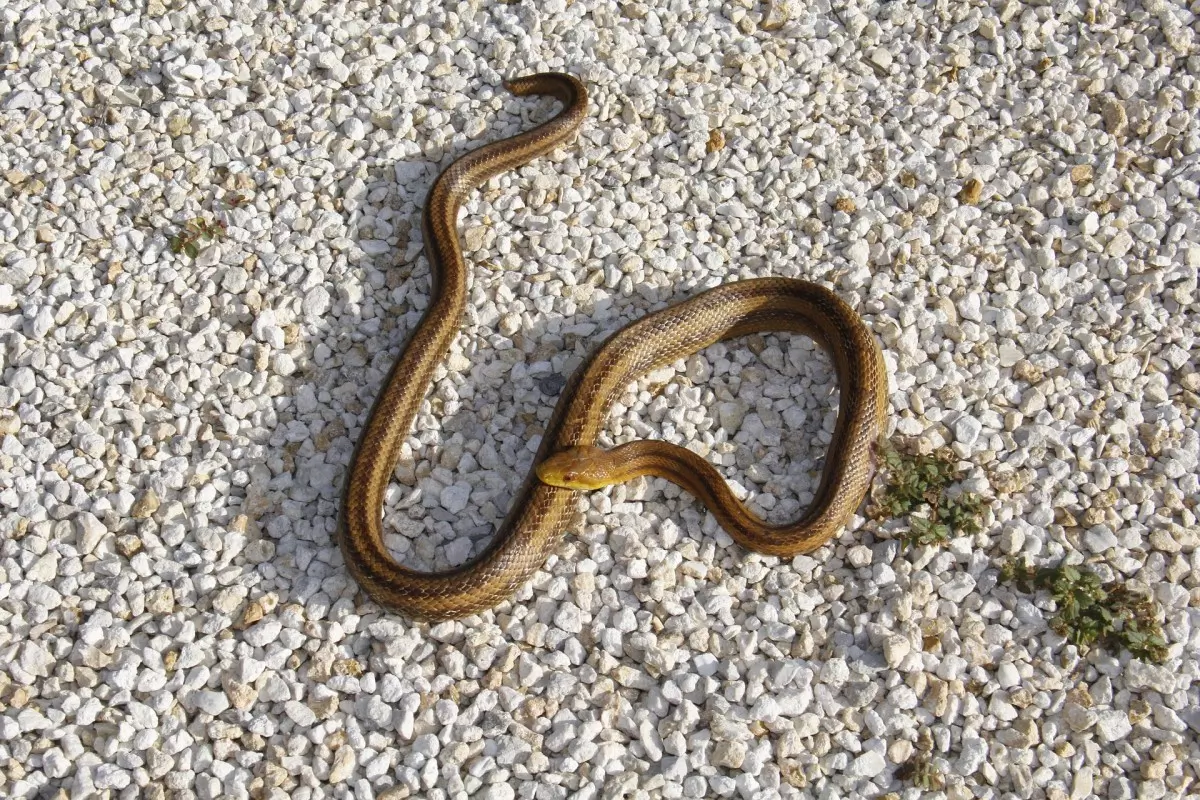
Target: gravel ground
x=1006 y=191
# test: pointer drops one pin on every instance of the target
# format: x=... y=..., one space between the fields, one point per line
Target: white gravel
x=1007 y=192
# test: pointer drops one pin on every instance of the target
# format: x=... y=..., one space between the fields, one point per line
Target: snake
x=569 y=460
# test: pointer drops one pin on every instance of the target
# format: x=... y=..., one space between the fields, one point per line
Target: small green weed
x=1091 y=612
x=187 y=240
x=917 y=482
x=921 y=773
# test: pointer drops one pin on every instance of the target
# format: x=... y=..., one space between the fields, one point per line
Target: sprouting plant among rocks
x=187 y=240
x=1091 y=612
x=917 y=485
x=920 y=771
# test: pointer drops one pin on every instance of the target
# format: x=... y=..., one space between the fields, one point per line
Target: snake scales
x=536 y=523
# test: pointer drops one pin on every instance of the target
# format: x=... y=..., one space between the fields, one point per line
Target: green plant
x=186 y=241
x=924 y=531
x=917 y=482
x=921 y=773
x=1091 y=612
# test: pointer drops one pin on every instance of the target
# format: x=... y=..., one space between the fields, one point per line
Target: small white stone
x=867 y=765
x=354 y=129
x=456 y=497
x=1083 y=784
x=42 y=321
x=835 y=672
x=35 y=659
x=498 y=791
x=300 y=713
x=316 y=302
x=1113 y=724
x=1012 y=539
x=45 y=569
x=651 y=741
x=967 y=430
x=55 y=764
x=859 y=556
x=729 y=754
x=1009 y=355
x=957 y=588
x=568 y=618
x=1078 y=717
x=859 y=253
x=1140 y=675
x=972 y=755
x=210 y=702
x=1034 y=305
x=1119 y=245
x=731 y=414
x=895 y=649
x=262 y=633
x=1007 y=675
x=1100 y=538
x=343 y=765
x=23 y=381
x=110 y=776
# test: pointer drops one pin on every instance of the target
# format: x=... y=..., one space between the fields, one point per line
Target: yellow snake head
x=581 y=467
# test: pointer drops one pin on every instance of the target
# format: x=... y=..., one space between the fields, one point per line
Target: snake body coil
x=540 y=513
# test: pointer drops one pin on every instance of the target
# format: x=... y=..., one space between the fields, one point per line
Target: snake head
x=579 y=468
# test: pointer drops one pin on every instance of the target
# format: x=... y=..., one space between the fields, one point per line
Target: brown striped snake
x=541 y=512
